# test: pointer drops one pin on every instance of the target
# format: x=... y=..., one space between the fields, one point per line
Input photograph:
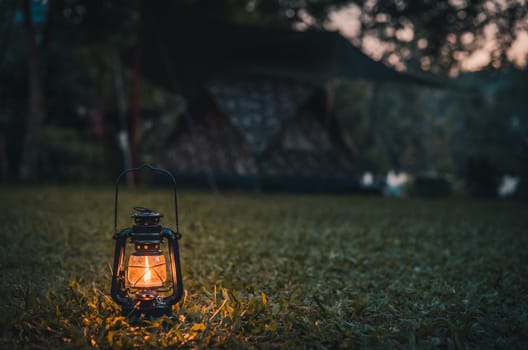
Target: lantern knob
x=145 y=216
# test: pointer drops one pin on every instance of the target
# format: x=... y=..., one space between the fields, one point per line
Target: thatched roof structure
x=258 y=110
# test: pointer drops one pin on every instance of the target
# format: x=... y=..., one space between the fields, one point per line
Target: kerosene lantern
x=146 y=281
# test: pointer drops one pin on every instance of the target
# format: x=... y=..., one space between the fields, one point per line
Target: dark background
x=69 y=83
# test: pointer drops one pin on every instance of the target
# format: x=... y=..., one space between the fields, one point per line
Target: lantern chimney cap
x=145 y=213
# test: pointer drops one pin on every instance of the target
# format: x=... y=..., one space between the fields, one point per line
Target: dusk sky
x=347 y=22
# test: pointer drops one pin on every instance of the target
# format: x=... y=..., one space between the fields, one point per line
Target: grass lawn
x=271 y=271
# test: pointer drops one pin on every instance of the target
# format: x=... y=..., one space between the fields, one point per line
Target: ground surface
x=271 y=271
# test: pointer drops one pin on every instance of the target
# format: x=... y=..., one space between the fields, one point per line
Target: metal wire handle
x=156 y=170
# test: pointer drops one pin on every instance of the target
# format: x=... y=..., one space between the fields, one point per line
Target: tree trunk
x=36 y=110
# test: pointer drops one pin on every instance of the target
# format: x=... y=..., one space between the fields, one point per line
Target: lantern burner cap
x=146 y=213
x=146 y=295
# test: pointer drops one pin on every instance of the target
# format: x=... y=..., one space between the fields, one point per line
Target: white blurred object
x=397 y=179
x=508 y=185
x=396 y=183
x=367 y=179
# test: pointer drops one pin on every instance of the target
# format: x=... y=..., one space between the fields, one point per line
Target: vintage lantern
x=146 y=280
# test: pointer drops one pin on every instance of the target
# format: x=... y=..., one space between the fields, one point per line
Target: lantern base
x=142 y=313
x=147 y=306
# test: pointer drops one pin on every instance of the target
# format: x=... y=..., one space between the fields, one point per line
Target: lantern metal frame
x=147 y=303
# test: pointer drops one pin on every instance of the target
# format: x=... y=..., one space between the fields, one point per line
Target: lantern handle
x=156 y=170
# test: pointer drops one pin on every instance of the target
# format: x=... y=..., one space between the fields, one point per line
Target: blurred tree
x=7 y=13
x=431 y=35
x=69 y=52
x=396 y=127
x=490 y=128
x=36 y=108
x=442 y=34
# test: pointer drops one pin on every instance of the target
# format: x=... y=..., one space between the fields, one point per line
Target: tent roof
x=259 y=108
x=180 y=56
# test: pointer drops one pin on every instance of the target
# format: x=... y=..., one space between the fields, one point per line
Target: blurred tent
x=264 y=133
x=259 y=109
